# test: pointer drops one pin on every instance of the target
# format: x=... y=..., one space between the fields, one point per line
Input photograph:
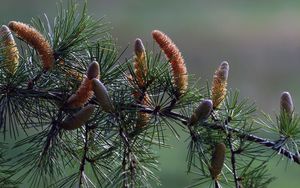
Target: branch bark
x=84 y=156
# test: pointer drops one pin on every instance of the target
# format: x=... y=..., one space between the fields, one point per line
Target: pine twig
x=233 y=161
x=84 y=156
x=217 y=184
x=127 y=160
x=52 y=133
x=249 y=137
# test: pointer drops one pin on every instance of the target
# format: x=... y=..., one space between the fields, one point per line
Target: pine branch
x=137 y=100
x=29 y=93
x=125 y=155
x=273 y=145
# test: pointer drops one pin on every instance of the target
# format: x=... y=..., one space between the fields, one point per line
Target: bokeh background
x=259 y=38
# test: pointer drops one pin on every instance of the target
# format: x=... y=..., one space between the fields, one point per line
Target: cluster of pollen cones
x=91 y=85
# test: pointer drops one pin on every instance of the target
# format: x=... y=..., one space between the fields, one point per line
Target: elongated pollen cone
x=36 y=40
x=102 y=96
x=217 y=160
x=83 y=94
x=93 y=70
x=78 y=119
x=85 y=91
x=180 y=75
x=286 y=103
x=219 y=85
x=140 y=63
x=202 y=112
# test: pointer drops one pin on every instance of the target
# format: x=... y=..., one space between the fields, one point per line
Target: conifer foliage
x=74 y=114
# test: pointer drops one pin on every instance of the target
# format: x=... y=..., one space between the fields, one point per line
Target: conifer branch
x=250 y=137
x=80 y=82
x=273 y=145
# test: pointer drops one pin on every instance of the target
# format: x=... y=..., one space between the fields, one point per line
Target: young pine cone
x=102 y=96
x=78 y=119
x=217 y=160
x=202 y=112
x=286 y=104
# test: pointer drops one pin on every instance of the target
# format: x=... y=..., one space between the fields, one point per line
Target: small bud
x=217 y=160
x=78 y=119
x=202 y=112
x=102 y=96
x=139 y=47
x=93 y=70
x=286 y=103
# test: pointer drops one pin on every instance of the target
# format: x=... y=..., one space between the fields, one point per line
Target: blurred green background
x=259 y=38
